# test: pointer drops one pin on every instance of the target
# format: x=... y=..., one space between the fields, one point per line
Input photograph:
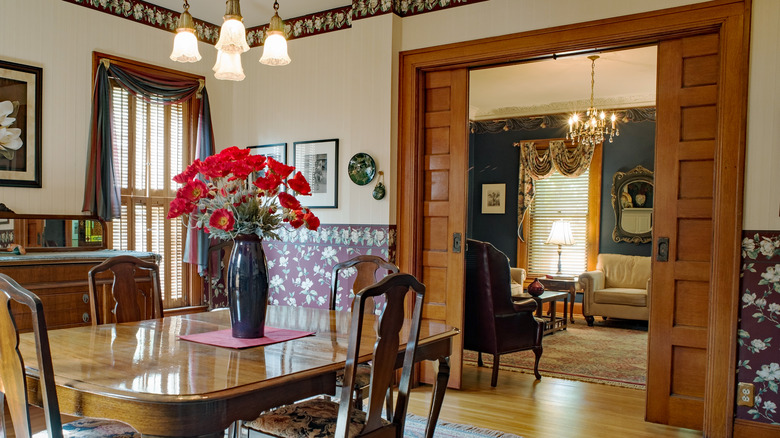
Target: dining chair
x=131 y=303
x=14 y=382
x=325 y=418
x=367 y=267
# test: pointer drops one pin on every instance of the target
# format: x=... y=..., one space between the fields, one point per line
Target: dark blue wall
x=494 y=159
x=634 y=146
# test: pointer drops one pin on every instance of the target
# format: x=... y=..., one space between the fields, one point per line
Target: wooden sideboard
x=60 y=280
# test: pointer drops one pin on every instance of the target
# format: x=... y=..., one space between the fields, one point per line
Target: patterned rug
x=415 y=428
x=606 y=353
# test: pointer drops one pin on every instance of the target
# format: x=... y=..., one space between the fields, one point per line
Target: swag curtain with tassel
x=102 y=191
x=535 y=166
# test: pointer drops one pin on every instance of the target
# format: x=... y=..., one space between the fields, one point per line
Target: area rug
x=604 y=353
x=415 y=428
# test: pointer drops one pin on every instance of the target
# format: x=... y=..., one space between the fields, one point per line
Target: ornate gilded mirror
x=632 y=200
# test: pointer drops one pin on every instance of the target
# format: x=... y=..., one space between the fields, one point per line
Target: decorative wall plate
x=361 y=168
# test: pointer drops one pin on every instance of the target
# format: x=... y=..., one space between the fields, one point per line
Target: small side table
x=553 y=322
x=565 y=285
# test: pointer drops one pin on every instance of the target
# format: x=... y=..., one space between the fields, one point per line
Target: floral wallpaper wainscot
x=300 y=264
x=759 y=343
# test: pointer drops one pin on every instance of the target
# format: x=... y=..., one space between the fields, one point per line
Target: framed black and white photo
x=277 y=151
x=317 y=160
x=20 y=125
x=493 y=198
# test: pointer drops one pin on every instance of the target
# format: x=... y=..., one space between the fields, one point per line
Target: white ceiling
x=255 y=12
x=624 y=79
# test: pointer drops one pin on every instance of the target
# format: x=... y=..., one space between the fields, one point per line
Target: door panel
x=444 y=212
x=688 y=71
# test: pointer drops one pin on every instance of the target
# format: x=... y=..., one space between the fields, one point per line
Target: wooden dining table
x=141 y=373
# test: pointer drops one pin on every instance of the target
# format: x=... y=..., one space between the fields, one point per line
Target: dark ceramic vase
x=535 y=288
x=247 y=287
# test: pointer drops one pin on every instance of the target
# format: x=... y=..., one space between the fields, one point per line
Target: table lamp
x=560 y=234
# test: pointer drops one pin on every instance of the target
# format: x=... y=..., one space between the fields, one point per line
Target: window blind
x=559 y=197
x=148 y=151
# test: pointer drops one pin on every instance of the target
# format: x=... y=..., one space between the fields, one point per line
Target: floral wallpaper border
x=150 y=15
x=300 y=264
x=298 y=27
x=759 y=353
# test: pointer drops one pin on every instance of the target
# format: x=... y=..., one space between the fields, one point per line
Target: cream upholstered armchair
x=618 y=288
x=518 y=276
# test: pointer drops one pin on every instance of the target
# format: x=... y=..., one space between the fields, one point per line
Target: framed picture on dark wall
x=20 y=125
x=317 y=160
x=493 y=198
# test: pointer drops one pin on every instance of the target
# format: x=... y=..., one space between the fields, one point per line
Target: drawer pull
x=85 y=298
x=85 y=317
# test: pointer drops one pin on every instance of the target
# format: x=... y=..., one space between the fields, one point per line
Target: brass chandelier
x=593 y=129
x=232 y=42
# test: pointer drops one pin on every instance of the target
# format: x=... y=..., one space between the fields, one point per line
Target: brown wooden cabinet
x=60 y=280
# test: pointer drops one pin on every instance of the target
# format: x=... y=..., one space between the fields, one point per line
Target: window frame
x=191 y=280
x=593 y=228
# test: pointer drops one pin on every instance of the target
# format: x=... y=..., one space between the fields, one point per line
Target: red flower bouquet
x=220 y=195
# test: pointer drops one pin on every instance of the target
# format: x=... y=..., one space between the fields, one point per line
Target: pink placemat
x=224 y=338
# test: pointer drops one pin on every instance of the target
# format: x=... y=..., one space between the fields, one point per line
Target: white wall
x=60 y=38
x=762 y=169
x=340 y=85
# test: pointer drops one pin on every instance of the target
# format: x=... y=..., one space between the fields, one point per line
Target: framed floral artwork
x=493 y=198
x=318 y=162
x=20 y=125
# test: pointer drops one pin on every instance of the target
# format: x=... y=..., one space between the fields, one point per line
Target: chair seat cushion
x=94 y=427
x=362 y=376
x=312 y=418
x=621 y=296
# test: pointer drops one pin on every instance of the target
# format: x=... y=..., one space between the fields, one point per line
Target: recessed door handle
x=456 y=238
x=662 y=252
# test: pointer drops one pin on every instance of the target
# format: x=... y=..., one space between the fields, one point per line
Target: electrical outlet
x=745 y=394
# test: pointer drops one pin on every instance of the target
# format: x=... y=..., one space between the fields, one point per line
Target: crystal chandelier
x=594 y=128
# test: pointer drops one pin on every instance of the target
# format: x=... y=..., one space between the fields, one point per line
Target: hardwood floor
x=551 y=407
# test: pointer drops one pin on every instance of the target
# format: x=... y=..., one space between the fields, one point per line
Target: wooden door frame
x=731 y=18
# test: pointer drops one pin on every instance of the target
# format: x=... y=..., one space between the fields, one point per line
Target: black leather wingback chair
x=493 y=322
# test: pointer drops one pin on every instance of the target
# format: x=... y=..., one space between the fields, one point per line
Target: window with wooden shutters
x=559 y=197
x=149 y=149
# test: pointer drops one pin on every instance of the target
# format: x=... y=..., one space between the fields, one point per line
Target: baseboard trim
x=754 y=429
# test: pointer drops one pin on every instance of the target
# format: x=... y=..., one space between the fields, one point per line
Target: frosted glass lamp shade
x=560 y=233
x=228 y=67
x=275 y=50
x=185 y=46
x=232 y=37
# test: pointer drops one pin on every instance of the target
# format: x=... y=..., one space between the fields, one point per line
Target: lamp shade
x=275 y=50
x=228 y=67
x=232 y=36
x=560 y=233
x=185 y=46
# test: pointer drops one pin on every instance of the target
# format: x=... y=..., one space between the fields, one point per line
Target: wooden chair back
x=394 y=289
x=131 y=302
x=367 y=267
x=13 y=386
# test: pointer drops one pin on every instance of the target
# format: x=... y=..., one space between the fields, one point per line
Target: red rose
x=222 y=219
x=280 y=169
x=288 y=201
x=299 y=184
x=193 y=191
x=312 y=221
x=269 y=183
